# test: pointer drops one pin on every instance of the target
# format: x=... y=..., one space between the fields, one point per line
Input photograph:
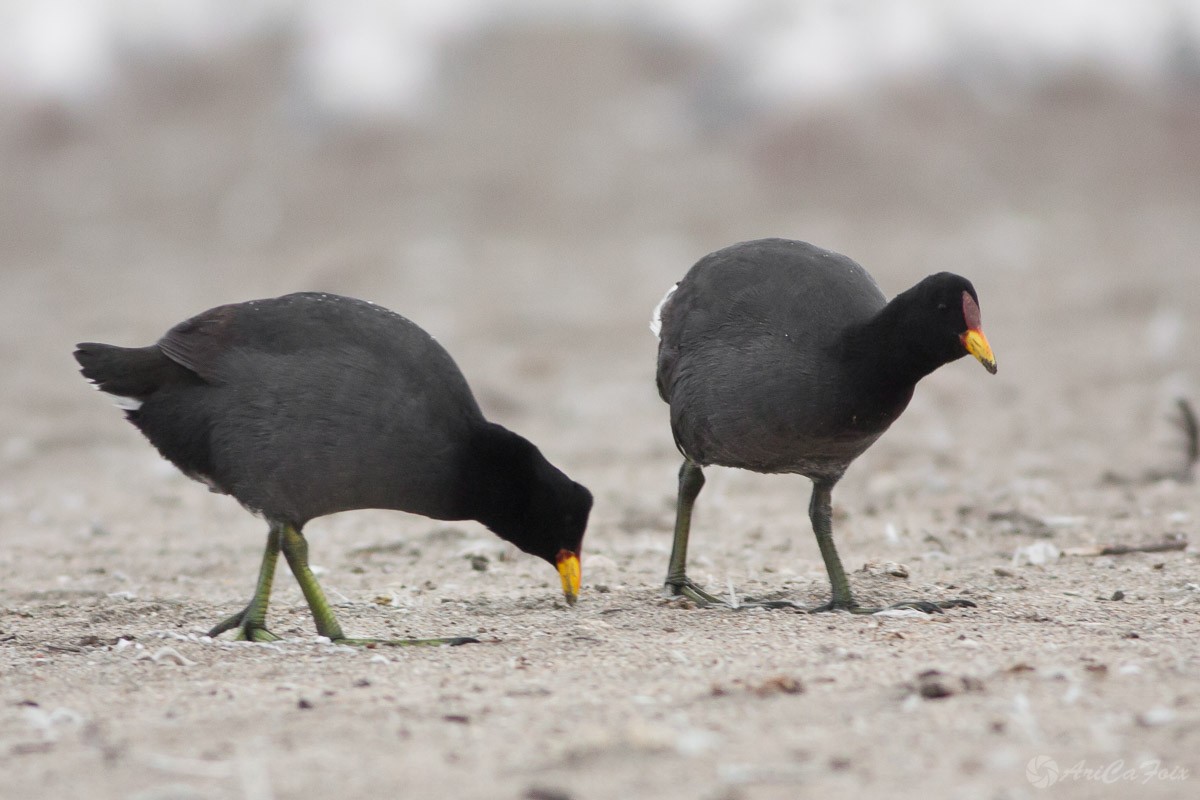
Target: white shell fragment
x=1036 y=554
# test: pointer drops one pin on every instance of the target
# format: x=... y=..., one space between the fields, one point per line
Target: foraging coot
x=309 y=404
x=780 y=357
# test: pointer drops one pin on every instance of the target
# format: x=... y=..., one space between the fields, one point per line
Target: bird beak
x=570 y=572
x=977 y=345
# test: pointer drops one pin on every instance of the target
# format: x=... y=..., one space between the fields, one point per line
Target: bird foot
x=453 y=641
x=925 y=606
x=685 y=587
x=253 y=634
x=250 y=627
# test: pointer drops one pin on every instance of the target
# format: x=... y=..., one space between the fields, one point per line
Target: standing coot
x=309 y=404
x=778 y=356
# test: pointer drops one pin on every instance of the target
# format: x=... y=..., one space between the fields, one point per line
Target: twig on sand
x=1167 y=545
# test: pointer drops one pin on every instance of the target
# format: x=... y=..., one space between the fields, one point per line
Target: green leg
x=251 y=621
x=678 y=584
x=820 y=511
x=295 y=550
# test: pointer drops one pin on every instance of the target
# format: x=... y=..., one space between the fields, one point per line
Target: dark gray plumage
x=780 y=357
x=310 y=404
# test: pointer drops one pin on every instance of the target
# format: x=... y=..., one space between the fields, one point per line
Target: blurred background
x=525 y=179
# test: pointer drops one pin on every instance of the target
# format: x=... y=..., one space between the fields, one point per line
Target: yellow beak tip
x=570 y=572
x=977 y=345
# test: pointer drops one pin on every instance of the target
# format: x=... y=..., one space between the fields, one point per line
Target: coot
x=780 y=357
x=309 y=404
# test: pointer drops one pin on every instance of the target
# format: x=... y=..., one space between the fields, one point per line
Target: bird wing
x=197 y=344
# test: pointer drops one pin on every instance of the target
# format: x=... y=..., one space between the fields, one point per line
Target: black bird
x=309 y=404
x=779 y=357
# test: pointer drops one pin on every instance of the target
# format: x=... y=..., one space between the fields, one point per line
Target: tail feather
x=133 y=372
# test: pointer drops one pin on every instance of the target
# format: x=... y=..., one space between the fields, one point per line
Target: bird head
x=943 y=312
x=526 y=500
x=555 y=523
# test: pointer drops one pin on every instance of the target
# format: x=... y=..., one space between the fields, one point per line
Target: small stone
x=932 y=690
x=779 y=684
x=888 y=568
x=1036 y=554
x=901 y=613
x=694 y=743
x=932 y=685
x=1118 y=595
x=1156 y=717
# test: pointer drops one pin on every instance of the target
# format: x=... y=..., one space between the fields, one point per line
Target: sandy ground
x=536 y=258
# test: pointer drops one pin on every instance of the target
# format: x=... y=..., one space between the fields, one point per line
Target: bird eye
x=942 y=306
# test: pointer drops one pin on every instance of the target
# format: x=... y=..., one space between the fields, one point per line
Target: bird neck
x=496 y=480
x=888 y=352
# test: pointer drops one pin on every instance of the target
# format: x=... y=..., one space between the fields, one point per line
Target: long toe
x=227 y=624
x=451 y=641
x=920 y=605
x=248 y=630
x=249 y=633
x=754 y=602
x=685 y=587
x=924 y=606
x=834 y=606
x=934 y=606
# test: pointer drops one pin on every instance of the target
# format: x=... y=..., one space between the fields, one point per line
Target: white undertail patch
x=126 y=403
x=656 y=317
x=120 y=401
